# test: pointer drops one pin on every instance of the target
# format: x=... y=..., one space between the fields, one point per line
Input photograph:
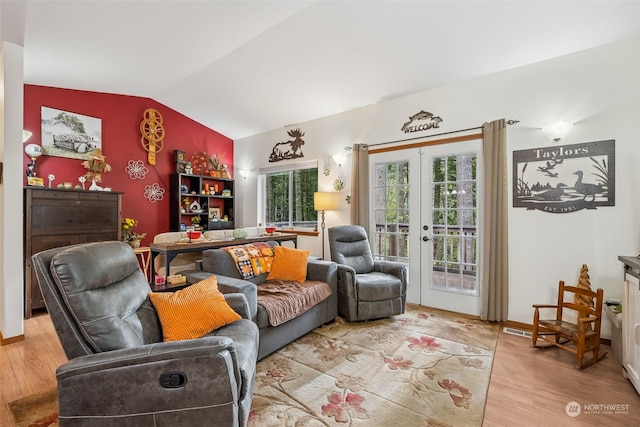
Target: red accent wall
x=121 y=116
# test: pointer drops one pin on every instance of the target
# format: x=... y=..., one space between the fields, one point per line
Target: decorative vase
x=134 y=243
x=239 y=233
x=94 y=186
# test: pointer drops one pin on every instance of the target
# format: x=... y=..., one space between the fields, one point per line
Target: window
x=287 y=195
x=391 y=210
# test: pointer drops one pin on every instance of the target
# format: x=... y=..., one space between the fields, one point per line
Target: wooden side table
x=144 y=253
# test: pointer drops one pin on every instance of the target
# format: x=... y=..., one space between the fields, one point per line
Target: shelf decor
x=200 y=163
x=218 y=169
x=206 y=196
x=96 y=165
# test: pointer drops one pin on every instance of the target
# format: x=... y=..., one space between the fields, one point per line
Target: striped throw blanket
x=252 y=259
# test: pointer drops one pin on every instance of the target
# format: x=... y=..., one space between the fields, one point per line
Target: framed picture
x=67 y=134
x=214 y=213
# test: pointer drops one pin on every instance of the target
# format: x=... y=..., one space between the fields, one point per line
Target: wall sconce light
x=339 y=159
x=324 y=201
x=558 y=130
x=243 y=173
x=26 y=135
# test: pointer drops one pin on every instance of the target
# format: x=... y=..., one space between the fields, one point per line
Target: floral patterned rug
x=423 y=368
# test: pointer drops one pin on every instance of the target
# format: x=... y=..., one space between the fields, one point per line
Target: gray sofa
x=220 y=263
x=120 y=372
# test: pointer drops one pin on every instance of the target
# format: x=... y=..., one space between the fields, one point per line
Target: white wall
x=11 y=216
x=598 y=90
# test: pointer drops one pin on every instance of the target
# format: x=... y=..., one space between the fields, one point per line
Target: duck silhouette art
x=553 y=194
x=586 y=189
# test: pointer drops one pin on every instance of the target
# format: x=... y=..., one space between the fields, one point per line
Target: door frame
x=437 y=298
x=412 y=156
x=457 y=302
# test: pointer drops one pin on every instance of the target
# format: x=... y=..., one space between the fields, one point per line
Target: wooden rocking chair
x=579 y=337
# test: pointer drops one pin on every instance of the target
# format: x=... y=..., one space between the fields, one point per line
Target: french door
x=425 y=213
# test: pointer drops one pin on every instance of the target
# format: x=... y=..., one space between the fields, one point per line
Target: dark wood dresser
x=55 y=218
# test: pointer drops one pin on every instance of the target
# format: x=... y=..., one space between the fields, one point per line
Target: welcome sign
x=565 y=178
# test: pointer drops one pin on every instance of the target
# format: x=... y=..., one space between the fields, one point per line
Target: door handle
x=425 y=239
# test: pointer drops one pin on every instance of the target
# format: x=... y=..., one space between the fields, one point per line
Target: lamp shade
x=33 y=150
x=557 y=131
x=324 y=201
x=339 y=159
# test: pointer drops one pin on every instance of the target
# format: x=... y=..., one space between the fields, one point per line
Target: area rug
x=37 y=410
x=423 y=368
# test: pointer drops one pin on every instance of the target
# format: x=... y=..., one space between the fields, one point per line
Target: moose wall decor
x=291 y=149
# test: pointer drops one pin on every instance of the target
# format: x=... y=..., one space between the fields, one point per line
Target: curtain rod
x=422 y=137
x=509 y=122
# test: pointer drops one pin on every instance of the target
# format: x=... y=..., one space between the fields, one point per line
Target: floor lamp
x=323 y=201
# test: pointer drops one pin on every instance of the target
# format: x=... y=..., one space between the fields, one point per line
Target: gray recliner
x=367 y=288
x=120 y=372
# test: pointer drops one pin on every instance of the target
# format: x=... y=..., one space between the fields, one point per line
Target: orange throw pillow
x=194 y=311
x=289 y=264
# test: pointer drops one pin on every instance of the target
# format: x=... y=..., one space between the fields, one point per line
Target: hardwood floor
x=29 y=366
x=529 y=387
x=532 y=387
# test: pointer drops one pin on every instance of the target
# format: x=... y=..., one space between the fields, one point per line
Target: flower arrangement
x=128 y=235
x=216 y=161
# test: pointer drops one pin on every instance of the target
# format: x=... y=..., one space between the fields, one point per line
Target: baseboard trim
x=526 y=327
x=11 y=340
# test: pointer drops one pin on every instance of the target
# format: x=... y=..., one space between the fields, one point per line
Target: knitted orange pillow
x=289 y=264
x=194 y=311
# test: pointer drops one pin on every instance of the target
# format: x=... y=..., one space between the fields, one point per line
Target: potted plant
x=129 y=235
x=216 y=164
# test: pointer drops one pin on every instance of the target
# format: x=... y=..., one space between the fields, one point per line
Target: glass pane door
x=395 y=207
x=450 y=196
x=454 y=214
x=391 y=211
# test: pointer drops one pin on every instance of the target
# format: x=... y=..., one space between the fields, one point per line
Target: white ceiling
x=246 y=67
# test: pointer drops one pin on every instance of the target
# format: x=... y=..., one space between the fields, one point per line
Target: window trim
x=262 y=173
x=309 y=164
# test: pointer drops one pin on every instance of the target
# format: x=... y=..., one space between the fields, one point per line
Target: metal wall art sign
x=286 y=150
x=565 y=178
x=421 y=121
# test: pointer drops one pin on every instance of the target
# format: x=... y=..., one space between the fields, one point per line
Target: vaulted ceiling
x=246 y=67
